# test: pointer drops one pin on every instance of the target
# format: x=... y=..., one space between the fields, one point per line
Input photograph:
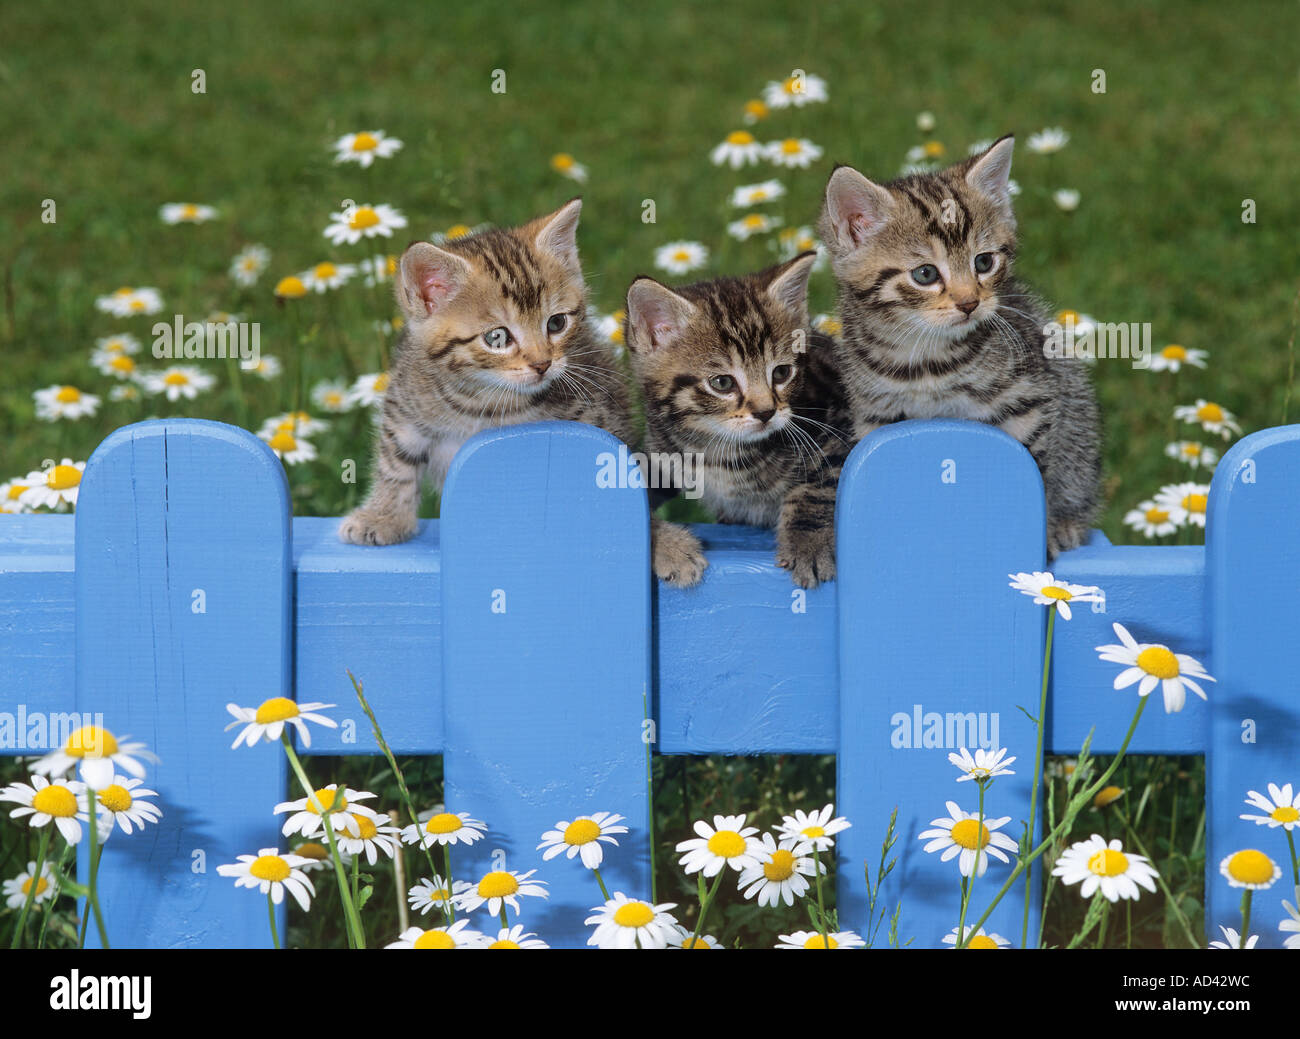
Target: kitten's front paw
x=364 y=527
x=678 y=557
x=809 y=555
x=1063 y=535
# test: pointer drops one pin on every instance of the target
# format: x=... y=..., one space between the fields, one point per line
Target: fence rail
x=521 y=635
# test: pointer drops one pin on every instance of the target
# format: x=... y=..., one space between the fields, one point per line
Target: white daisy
x=755 y=223
x=1152 y=520
x=1186 y=503
x=814 y=940
x=445 y=828
x=1013 y=187
x=122 y=343
x=11 y=494
x=186 y=213
x=812 y=830
x=267 y=367
x=567 y=166
x=288 y=448
x=120 y=804
x=343 y=815
x=272 y=873
x=793 y=241
x=1250 y=869
x=497 y=889
x=125 y=391
x=754 y=111
x=1292 y=925
x=290 y=288
x=985 y=764
x=1066 y=199
x=248 y=264
x=429 y=894
x=1046 y=141
x=180 y=380
x=378 y=269
x=1173 y=357
x=298 y=422
x=515 y=938
x=780 y=877
x=1155 y=664
x=980 y=147
x=796 y=90
x=56 y=402
x=15 y=891
x=63 y=803
x=961 y=835
x=54 y=488
x=453 y=936
x=1232 y=940
x=369 y=389
x=684 y=936
x=1193 y=453
x=626 y=923
x=681 y=257
x=373 y=834
x=127 y=302
x=364 y=147
x=739 y=148
x=925 y=122
x=316 y=854
x=327 y=275
x=268 y=720
x=1281 y=807
x=1106 y=867
x=928 y=152
x=115 y=363
x=979 y=940
x=582 y=836
x=332 y=396
x=827 y=324
x=1048 y=591
x=793 y=152
x=728 y=842
x=757 y=194
x=1213 y=418
x=351 y=225
x=456 y=231
x=611 y=327
x=99 y=754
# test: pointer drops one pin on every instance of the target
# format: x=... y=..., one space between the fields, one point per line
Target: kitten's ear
x=855 y=209
x=656 y=316
x=991 y=172
x=429 y=278
x=557 y=234
x=789 y=285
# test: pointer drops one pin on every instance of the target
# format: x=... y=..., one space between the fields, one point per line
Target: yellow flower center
x=363 y=218
x=1108 y=863
x=727 y=844
x=334 y=399
x=1209 y=413
x=326 y=799
x=366 y=827
x=312 y=850
x=497 y=884
x=681 y=256
x=114 y=346
x=756 y=109
x=283 y=442
x=115 y=798
x=1285 y=814
x=1158 y=661
x=1251 y=867
x=933 y=149
x=176 y=379
x=1156 y=515
x=617 y=335
x=381 y=382
x=1174 y=352
x=276 y=709
x=691 y=942
x=291 y=287
x=633 y=914
x=812 y=831
x=781 y=867
x=444 y=822
x=249 y=263
x=1068 y=317
x=793 y=86
x=739 y=138
x=754 y=220
x=63 y=477
x=269 y=867
x=137 y=304
x=1192 y=450
x=1107 y=795
x=968 y=831
x=562 y=161
x=814 y=941
x=189 y=211
x=41 y=885
x=122 y=363
x=125 y=290
x=435 y=940
x=68 y=395
x=581 y=831
x=759 y=194
x=790 y=146
x=504 y=943
x=1195 y=502
x=1054 y=592
x=365 y=142
x=390 y=265
x=16 y=490
x=981 y=941
x=324 y=271
x=90 y=741
x=55 y=800
x=457 y=231
x=832 y=327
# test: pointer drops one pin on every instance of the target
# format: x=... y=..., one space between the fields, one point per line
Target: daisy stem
x=270 y=912
x=356 y=876
x=1170 y=900
x=91 y=798
x=705 y=902
x=650 y=800
x=237 y=384
x=448 y=907
x=1101 y=927
x=821 y=908
x=1245 y=918
x=1038 y=769
x=1295 y=862
x=35 y=882
x=505 y=924
x=962 y=939
x=603 y=891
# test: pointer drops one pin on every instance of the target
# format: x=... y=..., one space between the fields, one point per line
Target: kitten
x=731 y=371
x=496 y=334
x=935 y=326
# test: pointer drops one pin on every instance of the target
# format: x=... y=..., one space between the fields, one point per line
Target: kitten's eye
x=926 y=274
x=781 y=372
x=557 y=323
x=723 y=383
x=497 y=338
x=984 y=263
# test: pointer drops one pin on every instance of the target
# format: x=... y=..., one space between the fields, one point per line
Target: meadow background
x=1199 y=114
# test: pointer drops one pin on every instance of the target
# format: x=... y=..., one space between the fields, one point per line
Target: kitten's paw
x=365 y=527
x=1063 y=535
x=809 y=555
x=678 y=557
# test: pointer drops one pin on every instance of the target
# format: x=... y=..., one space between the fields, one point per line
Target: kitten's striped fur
x=970 y=344
x=730 y=370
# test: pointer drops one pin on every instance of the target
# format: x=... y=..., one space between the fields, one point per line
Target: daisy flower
x=99 y=755
x=1213 y=418
x=827 y=324
x=1193 y=453
x=582 y=836
x=812 y=830
x=120 y=803
x=1107 y=795
x=125 y=391
x=453 y=936
x=1080 y=324
x=445 y=828
x=925 y=152
x=180 y=380
x=1185 y=502
x=63 y=803
x=515 y=938
x=115 y=363
x=269 y=871
x=980 y=147
x=387 y=328
x=1152 y=520
x=1173 y=357
x=1232 y=940
x=53 y=488
x=56 y=402
x=291 y=287
x=1292 y=925
x=497 y=889
x=797 y=90
x=15 y=891
x=122 y=343
x=681 y=257
x=288 y=448
x=813 y=940
x=373 y=833
x=683 y=941
x=267 y=367
x=11 y=494
x=1013 y=187
x=365 y=147
x=755 y=223
x=127 y=302
x=925 y=122
x=739 y=148
x=1066 y=199
x=961 y=835
x=1047 y=141
x=429 y=894
x=369 y=389
x=378 y=269
x=248 y=264
x=351 y=225
x=316 y=854
x=1250 y=869
x=1281 y=807
x=754 y=111
x=299 y=422
x=728 y=842
x=792 y=241
x=757 y=194
x=780 y=877
x=1048 y=591
x=1106 y=867
x=307 y=817
x=986 y=764
x=626 y=923
x=566 y=166
x=1155 y=664
x=611 y=327
x=268 y=720
x=979 y=940
x=331 y=396
x=185 y=213
x=328 y=275
x=456 y=231
x=792 y=152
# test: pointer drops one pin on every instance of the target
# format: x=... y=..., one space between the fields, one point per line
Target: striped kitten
x=496 y=334
x=730 y=370
x=935 y=326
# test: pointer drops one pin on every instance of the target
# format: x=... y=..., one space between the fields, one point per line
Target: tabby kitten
x=731 y=371
x=496 y=334
x=935 y=326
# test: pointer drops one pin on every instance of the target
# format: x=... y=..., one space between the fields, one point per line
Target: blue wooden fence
x=521 y=635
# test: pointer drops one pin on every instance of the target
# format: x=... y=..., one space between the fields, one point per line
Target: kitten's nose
x=540 y=367
x=966 y=306
x=763 y=416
